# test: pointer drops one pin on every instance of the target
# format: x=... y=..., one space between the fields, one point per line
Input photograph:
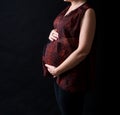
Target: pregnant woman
x=70 y=56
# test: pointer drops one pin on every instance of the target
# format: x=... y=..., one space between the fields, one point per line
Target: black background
x=24 y=29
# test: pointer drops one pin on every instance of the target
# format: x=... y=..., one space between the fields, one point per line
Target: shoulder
x=88 y=9
x=89 y=17
x=90 y=13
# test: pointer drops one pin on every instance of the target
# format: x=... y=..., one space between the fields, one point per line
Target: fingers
x=53 y=35
x=47 y=65
x=51 y=69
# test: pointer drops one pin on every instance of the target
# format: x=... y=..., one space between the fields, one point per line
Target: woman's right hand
x=53 y=35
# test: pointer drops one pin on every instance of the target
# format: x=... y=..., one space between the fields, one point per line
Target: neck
x=77 y=2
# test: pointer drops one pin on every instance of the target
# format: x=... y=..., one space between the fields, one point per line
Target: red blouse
x=82 y=76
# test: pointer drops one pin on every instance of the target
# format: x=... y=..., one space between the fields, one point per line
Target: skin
x=86 y=37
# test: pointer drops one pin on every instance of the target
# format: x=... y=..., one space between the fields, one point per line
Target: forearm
x=73 y=60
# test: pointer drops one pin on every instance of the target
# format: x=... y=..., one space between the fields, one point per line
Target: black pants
x=69 y=103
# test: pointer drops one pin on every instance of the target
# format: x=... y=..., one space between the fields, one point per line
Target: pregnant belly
x=57 y=51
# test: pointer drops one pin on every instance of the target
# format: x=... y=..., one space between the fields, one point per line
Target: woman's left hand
x=52 y=70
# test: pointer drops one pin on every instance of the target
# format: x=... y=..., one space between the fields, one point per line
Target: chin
x=67 y=0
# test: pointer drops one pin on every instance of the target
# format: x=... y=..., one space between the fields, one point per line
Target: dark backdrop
x=24 y=29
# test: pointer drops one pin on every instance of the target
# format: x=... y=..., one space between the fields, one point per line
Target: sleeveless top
x=81 y=77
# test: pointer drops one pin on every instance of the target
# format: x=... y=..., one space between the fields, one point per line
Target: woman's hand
x=52 y=70
x=53 y=35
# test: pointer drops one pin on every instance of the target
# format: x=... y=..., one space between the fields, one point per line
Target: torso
x=68 y=28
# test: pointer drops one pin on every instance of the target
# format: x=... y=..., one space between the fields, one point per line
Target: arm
x=86 y=37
